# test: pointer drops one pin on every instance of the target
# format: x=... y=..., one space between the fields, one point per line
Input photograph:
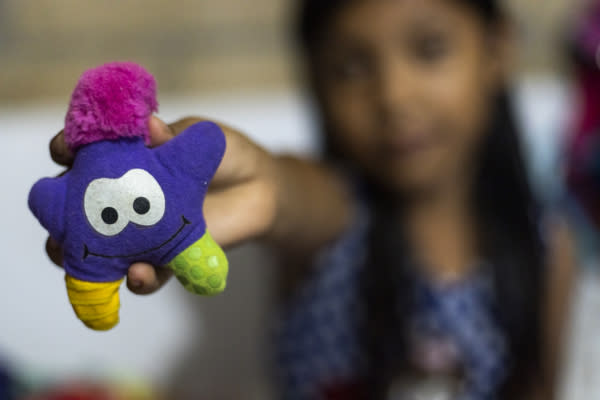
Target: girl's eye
x=350 y=67
x=431 y=48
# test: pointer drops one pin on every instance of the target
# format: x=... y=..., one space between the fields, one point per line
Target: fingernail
x=59 y=151
x=52 y=244
x=136 y=284
x=158 y=123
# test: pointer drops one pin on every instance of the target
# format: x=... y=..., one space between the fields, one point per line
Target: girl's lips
x=408 y=145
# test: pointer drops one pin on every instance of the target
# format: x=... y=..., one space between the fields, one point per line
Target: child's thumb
x=159 y=131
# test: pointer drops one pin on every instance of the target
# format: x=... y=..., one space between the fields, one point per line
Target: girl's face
x=407 y=86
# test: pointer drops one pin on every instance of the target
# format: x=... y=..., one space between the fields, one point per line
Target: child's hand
x=239 y=206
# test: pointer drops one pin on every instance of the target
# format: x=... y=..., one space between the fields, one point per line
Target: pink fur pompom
x=110 y=102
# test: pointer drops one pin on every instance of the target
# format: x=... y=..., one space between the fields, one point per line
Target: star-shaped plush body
x=92 y=211
x=123 y=202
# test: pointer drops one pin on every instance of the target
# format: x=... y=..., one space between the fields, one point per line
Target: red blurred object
x=345 y=391
x=76 y=391
x=583 y=175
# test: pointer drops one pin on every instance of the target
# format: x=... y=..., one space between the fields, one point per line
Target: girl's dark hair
x=508 y=224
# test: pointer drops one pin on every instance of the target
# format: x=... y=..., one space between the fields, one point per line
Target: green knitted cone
x=202 y=268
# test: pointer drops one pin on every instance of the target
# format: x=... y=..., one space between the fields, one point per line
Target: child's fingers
x=159 y=131
x=61 y=154
x=242 y=158
x=159 y=134
x=179 y=126
x=54 y=251
x=143 y=278
x=174 y=128
x=59 y=151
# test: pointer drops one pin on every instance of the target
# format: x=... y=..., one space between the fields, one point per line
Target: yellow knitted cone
x=95 y=303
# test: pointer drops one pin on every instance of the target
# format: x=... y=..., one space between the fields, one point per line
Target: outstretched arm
x=297 y=204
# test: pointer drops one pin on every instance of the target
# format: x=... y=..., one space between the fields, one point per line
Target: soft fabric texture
x=112 y=101
x=182 y=168
x=123 y=202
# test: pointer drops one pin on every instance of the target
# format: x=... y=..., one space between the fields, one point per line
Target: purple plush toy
x=123 y=202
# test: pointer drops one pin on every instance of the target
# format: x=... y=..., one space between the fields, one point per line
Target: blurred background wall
x=195 y=46
x=190 y=45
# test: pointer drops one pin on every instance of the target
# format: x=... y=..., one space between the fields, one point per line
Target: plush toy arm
x=197 y=151
x=47 y=202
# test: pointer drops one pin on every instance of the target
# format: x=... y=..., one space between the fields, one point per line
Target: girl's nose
x=395 y=89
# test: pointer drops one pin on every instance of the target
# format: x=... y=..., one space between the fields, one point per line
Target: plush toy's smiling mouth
x=87 y=252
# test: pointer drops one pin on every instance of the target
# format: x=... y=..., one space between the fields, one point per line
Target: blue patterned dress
x=452 y=325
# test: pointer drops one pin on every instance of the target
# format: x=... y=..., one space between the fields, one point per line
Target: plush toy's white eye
x=145 y=198
x=110 y=204
x=104 y=206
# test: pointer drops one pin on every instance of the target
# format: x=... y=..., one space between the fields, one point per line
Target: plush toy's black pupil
x=110 y=215
x=141 y=205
